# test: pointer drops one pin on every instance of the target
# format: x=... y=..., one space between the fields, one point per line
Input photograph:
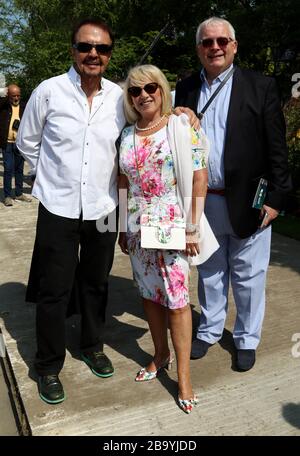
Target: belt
x=216 y=191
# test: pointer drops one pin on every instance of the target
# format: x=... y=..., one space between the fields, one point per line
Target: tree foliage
x=35 y=35
x=35 y=39
x=292 y=117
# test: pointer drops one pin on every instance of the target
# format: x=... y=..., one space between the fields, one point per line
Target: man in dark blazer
x=11 y=111
x=246 y=129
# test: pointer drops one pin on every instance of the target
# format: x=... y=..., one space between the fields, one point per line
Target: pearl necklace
x=152 y=126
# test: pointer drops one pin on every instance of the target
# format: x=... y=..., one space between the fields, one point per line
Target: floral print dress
x=162 y=276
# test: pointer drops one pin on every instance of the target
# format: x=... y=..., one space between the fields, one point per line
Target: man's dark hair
x=92 y=21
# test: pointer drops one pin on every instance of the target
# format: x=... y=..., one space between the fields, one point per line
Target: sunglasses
x=87 y=47
x=222 y=41
x=149 y=88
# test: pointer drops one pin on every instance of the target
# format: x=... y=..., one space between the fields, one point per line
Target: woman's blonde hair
x=141 y=75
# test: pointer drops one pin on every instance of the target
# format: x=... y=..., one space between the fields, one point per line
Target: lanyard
x=228 y=75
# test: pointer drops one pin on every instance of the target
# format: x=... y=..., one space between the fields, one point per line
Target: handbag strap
x=211 y=99
x=135 y=156
x=136 y=162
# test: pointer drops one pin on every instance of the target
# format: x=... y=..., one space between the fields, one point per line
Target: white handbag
x=162 y=234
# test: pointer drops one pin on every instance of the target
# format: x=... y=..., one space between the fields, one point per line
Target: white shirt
x=71 y=148
x=173 y=95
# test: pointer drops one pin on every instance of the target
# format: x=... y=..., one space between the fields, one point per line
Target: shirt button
x=85 y=163
x=83 y=183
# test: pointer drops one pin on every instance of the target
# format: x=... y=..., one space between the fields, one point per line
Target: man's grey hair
x=213 y=20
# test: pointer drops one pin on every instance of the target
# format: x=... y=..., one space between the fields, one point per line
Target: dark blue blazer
x=255 y=144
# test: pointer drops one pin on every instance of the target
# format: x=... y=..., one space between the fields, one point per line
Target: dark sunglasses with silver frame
x=87 y=47
x=222 y=41
x=135 y=91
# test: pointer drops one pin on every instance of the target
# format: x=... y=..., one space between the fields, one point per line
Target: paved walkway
x=263 y=401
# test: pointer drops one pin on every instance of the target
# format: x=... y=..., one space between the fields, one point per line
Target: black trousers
x=67 y=250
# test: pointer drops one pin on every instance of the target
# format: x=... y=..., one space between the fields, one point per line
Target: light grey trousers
x=243 y=263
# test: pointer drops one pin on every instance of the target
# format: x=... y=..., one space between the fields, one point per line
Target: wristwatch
x=192 y=228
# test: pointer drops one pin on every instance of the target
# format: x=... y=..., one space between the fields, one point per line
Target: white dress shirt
x=71 y=147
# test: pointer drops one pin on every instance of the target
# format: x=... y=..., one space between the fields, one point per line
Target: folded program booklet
x=260 y=194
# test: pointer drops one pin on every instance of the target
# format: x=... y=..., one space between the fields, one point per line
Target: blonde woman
x=147 y=164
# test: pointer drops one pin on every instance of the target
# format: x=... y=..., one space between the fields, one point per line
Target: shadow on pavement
x=291 y=414
x=120 y=335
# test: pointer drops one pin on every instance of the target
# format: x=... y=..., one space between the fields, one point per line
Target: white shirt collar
x=76 y=79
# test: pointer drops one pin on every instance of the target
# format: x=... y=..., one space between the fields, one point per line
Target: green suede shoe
x=99 y=364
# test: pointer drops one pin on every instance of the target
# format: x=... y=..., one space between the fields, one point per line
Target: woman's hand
x=192 y=246
x=123 y=243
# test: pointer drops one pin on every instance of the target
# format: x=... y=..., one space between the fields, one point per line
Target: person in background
x=11 y=111
x=147 y=166
x=3 y=93
x=246 y=129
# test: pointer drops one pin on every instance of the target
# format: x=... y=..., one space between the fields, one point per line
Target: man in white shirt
x=67 y=134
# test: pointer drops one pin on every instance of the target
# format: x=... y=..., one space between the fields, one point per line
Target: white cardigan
x=179 y=137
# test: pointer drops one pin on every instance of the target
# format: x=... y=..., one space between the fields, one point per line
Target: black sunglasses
x=87 y=47
x=136 y=91
x=222 y=41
